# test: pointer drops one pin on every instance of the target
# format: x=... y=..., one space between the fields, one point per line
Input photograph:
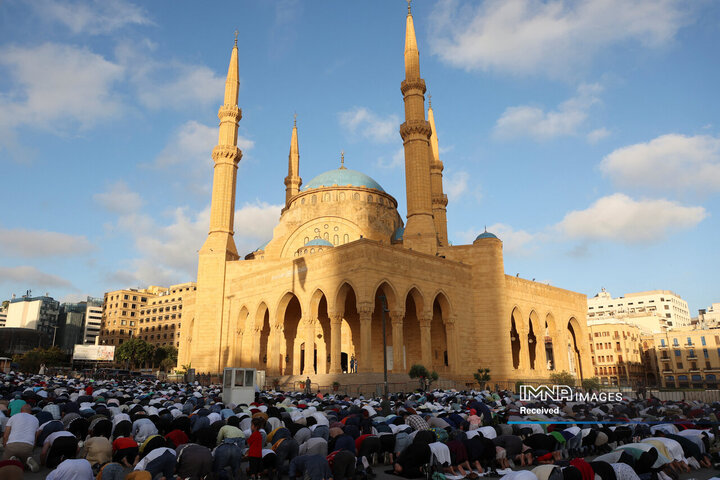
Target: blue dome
x=485 y=234
x=398 y=234
x=342 y=177
x=319 y=242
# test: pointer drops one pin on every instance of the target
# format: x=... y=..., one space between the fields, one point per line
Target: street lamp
x=383 y=301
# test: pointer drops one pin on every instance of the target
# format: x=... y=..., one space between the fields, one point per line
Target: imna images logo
x=560 y=393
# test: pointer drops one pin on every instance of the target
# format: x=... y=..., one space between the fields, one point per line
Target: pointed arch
x=341 y=296
x=288 y=315
x=550 y=332
x=418 y=299
x=444 y=303
x=387 y=288
x=515 y=325
x=573 y=344
x=534 y=332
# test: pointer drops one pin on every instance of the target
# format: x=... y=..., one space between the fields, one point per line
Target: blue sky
x=585 y=134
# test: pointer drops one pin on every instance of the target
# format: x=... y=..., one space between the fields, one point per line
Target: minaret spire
x=219 y=247
x=420 y=233
x=439 y=199
x=293 y=180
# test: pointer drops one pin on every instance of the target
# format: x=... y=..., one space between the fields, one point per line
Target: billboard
x=102 y=353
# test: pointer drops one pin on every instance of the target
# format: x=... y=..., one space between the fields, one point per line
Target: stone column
x=425 y=340
x=397 y=340
x=335 y=342
x=274 y=352
x=309 y=337
x=365 y=358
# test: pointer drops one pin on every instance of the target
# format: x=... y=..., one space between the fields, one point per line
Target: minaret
x=293 y=180
x=415 y=131
x=219 y=247
x=439 y=199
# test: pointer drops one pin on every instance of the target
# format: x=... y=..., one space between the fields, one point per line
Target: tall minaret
x=415 y=131
x=439 y=199
x=293 y=180
x=207 y=348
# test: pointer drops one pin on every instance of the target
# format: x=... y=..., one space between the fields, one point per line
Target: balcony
x=664 y=359
x=692 y=356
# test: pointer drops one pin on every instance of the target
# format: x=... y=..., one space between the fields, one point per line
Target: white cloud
x=168 y=253
x=526 y=120
x=192 y=145
x=667 y=162
x=119 y=198
x=98 y=17
x=553 y=37
x=40 y=243
x=598 y=134
x=620 y=218
x=374 y=127
x=31 y=278
x=515 y=242
x=58 y=87
x=455 y=184
x=397 y=160
x=169 y=83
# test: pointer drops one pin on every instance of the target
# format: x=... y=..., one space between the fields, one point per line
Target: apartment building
x=121 y=313
x=93 y=320
x=687 y=358
x=161 y=319
x=655 y=309
x=616 y=352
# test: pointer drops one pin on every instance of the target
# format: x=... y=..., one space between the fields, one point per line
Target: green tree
x=591 y=384
x=425 y=377
x=482 y=377
x=563 y=378
x=135 y=352
x=165 y=357
x=31 y=360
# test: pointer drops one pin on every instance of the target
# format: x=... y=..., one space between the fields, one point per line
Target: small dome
x=319 y=242
x=342 y=177
x=398 y=234
x=485 y=234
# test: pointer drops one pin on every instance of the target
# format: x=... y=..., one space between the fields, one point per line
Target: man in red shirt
x=255 y=447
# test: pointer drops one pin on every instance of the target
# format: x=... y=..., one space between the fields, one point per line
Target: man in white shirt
x=72 y=469
x=19 y=436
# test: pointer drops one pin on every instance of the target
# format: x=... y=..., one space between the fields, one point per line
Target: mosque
x=342 y=269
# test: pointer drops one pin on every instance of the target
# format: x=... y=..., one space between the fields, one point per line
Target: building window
x=677 y=352
x=702 y=341
x=705 y=353
x=662 y=342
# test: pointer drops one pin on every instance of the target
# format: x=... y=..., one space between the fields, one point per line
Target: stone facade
x=341 y=264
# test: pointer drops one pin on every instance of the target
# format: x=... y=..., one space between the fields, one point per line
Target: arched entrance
x=414 y=305
x=515 y=338
x=438 y=337
x=574 y=357
x=345 y=329
x=550 y=362
x=289 y=314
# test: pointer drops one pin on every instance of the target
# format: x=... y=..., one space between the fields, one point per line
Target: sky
x=584 y=133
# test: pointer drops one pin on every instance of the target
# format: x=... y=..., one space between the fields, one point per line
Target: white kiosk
x=239 y=385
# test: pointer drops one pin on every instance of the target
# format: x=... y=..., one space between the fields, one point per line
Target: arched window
x=336 y=239
x=306 y=240
x=314 y=199
x=346 y=238
x=341 y=196
x=356 y=196
x=369 y=199
x=326 y=236
x=326 y=197
x=302 y=201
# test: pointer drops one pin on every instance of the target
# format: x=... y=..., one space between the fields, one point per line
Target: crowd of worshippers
x=151 y=430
